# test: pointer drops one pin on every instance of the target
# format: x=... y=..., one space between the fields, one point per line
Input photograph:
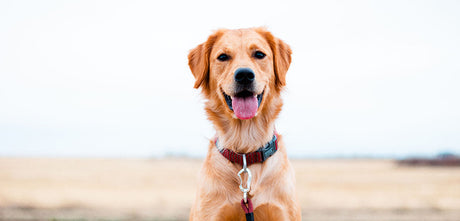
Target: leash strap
x=248 y=210
x=246 y=202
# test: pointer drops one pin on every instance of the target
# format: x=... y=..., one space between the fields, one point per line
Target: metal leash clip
x=248 y=182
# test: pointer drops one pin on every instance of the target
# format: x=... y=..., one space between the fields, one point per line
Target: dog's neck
x=245 y=136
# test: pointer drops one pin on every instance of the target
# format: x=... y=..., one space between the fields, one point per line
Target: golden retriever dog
x=241 y=74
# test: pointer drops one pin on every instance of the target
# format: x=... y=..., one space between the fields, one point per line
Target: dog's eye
x=259 y=55
x=223 y=57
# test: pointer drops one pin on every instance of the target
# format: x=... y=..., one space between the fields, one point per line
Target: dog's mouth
x=244 y=104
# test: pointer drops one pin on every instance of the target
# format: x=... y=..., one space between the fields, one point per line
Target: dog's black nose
x=244 y=76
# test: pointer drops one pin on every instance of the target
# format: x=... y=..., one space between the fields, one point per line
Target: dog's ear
x=198 y=61
x=282 y=62
x=281 y=57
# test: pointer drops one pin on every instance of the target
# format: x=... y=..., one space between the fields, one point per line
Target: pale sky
x=110 y=78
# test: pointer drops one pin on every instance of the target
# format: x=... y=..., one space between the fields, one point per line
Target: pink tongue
x=245 y=108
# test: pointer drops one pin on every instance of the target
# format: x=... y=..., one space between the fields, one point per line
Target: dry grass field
x=163 y=189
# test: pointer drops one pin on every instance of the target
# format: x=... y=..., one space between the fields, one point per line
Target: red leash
x=246 y=202
x=248 y=210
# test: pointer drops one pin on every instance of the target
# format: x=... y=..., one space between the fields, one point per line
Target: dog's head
x=240 y=69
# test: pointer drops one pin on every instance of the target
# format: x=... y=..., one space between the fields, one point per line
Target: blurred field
x=163 y=189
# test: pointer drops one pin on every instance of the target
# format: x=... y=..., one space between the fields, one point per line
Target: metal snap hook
x=248 y=181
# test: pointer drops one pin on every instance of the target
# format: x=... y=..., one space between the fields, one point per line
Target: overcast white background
x=110 y=78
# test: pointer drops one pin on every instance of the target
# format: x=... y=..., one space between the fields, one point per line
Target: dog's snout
x=244 y=76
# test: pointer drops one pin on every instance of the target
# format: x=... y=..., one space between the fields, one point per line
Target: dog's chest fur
x=270 y=192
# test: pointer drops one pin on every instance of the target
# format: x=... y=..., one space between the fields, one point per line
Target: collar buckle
x=269 y=149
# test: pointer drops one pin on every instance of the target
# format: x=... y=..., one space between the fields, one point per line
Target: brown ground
x=146 y=189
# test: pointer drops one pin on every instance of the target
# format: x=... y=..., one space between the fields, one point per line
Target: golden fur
x=273 y=184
